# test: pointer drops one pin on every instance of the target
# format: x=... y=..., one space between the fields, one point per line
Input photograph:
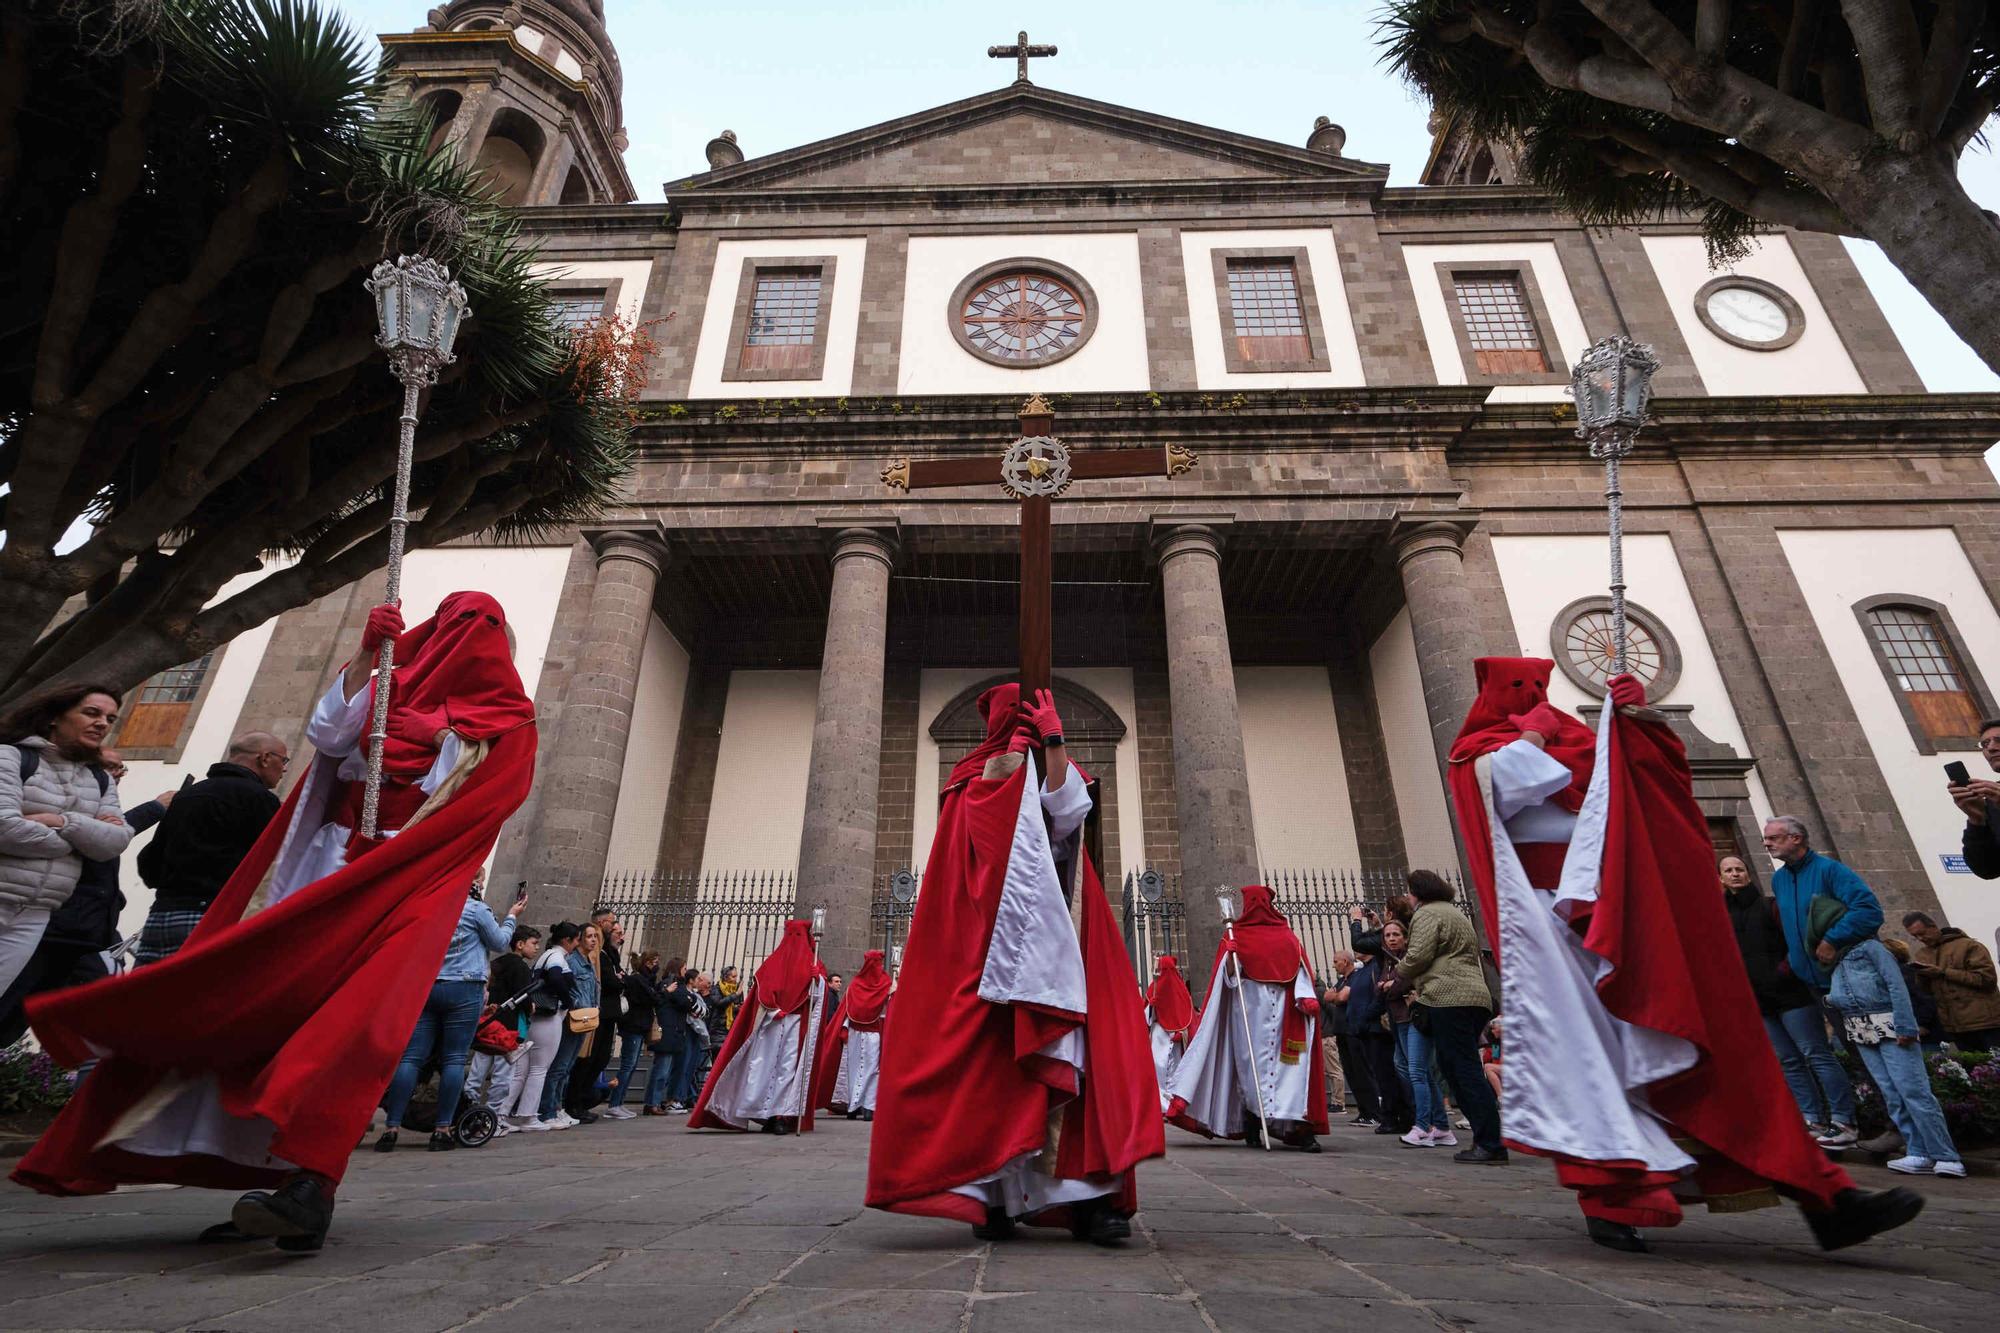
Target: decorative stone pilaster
x=837 y=844
x=579 y=799
x=1218 y=841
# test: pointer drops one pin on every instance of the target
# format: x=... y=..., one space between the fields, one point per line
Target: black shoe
x=586 y=1118
x=1386 y=1128
x=868 y=1117
x=298 y=1210
x=770 y=1127
x=1363 y=1122
x=997 y=1226
x=1858 y=1214
x=227 y=1233
x=1478 y=1156
x=1616 y=1236
x=387 y=1143
x=442 y=1141
x=787 y=1125
x=854 y=1115
x=1096 y=1222
x=1310 y=1143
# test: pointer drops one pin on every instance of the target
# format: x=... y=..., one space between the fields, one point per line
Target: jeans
x=1454 y=1035
x=669 y=1073
x=1906 y=1088
x=697 y=1067
x=559 y=1072
x=629 y=1046
x=1413 y=1065
x=490 y=1079
x=1378 y=1049
x=1819 y=1085
x=445 y=1027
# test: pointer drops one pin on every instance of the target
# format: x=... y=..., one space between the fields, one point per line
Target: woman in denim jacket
x=1871 y=999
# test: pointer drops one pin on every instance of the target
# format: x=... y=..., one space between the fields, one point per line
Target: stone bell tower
x=528 y=89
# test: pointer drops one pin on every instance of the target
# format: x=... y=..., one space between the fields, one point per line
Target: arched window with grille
x=1928 y=669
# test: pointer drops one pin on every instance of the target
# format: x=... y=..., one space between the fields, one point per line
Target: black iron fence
x=720 y=919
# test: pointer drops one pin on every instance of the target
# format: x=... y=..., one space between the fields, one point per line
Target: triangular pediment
x=1026 y=135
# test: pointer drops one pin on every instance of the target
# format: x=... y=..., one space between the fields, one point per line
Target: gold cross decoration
x=1034 y=470
x=1020 y=51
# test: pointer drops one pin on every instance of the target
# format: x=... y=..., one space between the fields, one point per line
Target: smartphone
x=1955 y=770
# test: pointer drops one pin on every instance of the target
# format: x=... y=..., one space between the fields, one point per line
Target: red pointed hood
x=456 y=669
x=784 y=980
x=1168 y=998
x=1511 y=688
x=868 y=993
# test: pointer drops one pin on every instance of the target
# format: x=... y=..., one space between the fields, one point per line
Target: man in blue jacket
x=1803 y=875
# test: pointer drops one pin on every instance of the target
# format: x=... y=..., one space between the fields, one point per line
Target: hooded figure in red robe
x=1016 y=1083
x=1229 y=1084
x=1170 y=1019
x=1635 y=1058
x=763 y=1072
x=257 y=1054
x=847 y=1073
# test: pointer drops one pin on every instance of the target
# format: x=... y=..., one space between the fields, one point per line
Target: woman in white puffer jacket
x=63 y=810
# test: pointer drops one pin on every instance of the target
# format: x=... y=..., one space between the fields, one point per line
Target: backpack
x=31 y=764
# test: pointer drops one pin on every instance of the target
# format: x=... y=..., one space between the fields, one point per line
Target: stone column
x=1218 y=842
x=1430 y=556
x=579 y=796
x=837 y=845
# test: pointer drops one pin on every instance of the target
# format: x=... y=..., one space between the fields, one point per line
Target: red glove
x=416 y=728
x=1042 y=715
x=1024 y=740
x=1627 y=692
x=1229 y=944
x=1309 y=1007
x=384 y=622
x=1541 y=718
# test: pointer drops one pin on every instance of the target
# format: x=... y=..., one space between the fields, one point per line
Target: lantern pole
x=1612 y=385
x=418 y=309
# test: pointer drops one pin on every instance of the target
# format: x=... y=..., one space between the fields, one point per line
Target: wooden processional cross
x=1034 y=470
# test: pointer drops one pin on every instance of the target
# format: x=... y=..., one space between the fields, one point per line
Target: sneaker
x=533 y=1127
x=1842 y=1136
x=1416 y=1138
x=1459 y=1122
x=1477 y=1156
x=1444 y=1138
x=618 y=1113
x=1914 y=1165
x=1953 y=1169
x=564 y=1120
x=503 y=1129
x=558 y=1123
x=1819 y=1129
x=676 y=1108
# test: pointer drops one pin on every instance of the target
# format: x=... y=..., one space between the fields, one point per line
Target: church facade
x=764 y=659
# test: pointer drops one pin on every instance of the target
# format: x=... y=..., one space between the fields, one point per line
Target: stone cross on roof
x=1021 y=52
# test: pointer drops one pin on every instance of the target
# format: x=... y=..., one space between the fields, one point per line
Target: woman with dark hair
x=642 y=999
x=545 y=1006
x=58 y=806
x=674 y=1050
x=1452 y=1005
x=1429 y=1126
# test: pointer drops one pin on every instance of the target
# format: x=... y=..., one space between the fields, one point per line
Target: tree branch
x=1788 y=206
x=1711 y=30
x=1801 y=40
x=1964 y=127
x=1954 y=38
x=1892 y=56
x=1560 y=66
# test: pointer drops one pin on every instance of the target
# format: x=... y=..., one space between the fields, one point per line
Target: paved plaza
x=644 y=1224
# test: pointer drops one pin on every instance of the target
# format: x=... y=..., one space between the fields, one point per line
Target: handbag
x=1420 y=1017
x=1870 y=1029
x=582 y=1020
x=655 y=1033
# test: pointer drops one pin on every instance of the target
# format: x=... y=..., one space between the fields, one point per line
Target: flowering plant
x=1967 y=1087
x=30 y=1081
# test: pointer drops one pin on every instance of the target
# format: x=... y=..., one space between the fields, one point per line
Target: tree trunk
x=1914 y=207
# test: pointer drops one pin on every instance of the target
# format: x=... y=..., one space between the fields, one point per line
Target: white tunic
x=1221 y=1073
x=770 y=1073
x=1167 y=1055
x=860 y=1069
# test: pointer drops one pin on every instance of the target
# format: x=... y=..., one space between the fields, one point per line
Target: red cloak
x=963 y=1088
x=1660 y=925
x=298 y=1013
x=783 y=984
x=1168 y=999
x=862 y=1009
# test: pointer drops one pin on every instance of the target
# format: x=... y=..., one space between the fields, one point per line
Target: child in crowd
x=1875 y=1008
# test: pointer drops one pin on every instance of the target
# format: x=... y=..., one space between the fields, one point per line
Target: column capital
x=1189 y=534
x=872 y=536
x=628 y=544
x=1419 y=533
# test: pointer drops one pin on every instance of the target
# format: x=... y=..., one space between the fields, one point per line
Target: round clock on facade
x=1749 y=312
x=1023 y=313
x=1581 y=642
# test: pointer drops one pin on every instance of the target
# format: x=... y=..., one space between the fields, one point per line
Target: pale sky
x=783 y=73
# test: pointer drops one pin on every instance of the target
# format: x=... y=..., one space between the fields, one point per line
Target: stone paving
x=643 y=1222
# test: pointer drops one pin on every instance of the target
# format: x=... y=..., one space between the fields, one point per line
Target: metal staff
x=1612 y=386
x=1227 y=902
x=812 y=1017
x=418 y=309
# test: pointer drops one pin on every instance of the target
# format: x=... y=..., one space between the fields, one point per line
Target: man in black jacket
x=71 y=951
x=207 y=832
x=1980 y=800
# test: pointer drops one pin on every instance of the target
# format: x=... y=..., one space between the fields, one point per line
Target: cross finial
x=1021 y=52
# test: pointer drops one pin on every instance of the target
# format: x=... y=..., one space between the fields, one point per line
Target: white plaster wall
x=1542 y=575
x=1545 y=263
x=1836 y=569
x=758 y=810
x=527 y=581
x=939 y=686
x=1406 y=736
x=633 y=272
x=1816 y=363
x=1298 y=780
x=932 y=360
x=649 y=752
x=843 y=316
x=1336 y=322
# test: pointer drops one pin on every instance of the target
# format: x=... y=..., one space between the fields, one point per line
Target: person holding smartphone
x=1979 y=798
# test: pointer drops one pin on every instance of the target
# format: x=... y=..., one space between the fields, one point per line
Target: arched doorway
x=1090 y=726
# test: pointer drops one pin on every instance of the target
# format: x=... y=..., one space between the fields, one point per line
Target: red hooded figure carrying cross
x=254 y=1057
